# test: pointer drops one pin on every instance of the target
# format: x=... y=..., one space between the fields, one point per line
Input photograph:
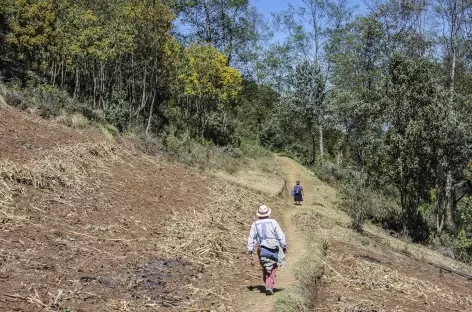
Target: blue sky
x=268 y=6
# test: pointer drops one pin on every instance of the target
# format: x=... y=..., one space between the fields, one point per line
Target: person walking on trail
x=297 y=193
x=271 y=246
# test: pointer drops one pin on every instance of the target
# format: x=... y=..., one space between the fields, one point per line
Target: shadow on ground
x=261 y=288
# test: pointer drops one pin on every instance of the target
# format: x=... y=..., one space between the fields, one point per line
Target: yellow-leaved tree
x=209 y=87
x=32 y=28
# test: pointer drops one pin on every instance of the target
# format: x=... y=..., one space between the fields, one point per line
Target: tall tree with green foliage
x=209 y=88
x=308 y=27
x=230 y=25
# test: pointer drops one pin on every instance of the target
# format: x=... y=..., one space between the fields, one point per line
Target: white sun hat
x=263 y=211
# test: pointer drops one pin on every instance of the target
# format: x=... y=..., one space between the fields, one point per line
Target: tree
x=358 y=66
x=255 y=109
x=307 y=101
x=117 y=54
x=32 y=29
x=456 y=35
x=308 y=27
x=230 y=25
x=209 y=86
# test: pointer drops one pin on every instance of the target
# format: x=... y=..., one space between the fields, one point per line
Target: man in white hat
x=270 y=239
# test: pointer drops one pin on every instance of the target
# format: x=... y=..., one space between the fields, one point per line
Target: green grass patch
x=308 y=271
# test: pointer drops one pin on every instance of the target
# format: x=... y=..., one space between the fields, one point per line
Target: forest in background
x=378 y=101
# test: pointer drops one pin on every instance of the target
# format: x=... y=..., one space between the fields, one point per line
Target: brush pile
x=307 y=220
x=6 y=200
x=64 y=167
x=218 y=233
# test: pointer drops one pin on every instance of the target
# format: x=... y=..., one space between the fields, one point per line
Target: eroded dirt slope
x=371 y=280
x=91 y=225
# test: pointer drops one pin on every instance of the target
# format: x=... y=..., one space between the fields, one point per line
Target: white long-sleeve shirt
x=265 y=229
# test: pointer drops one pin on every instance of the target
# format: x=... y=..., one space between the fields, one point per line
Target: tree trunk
x=314 y=10
x=94 y=89
x=52 y=73
x=444 y=204
x=452 y=78
x=439 y=211
x=150 y=113
x=448 y=201
x=321 y=143
x=143 y=97
x=62 y=72
x=313 y=142
x=206 y=6
x=404 y=208
x=76 y=87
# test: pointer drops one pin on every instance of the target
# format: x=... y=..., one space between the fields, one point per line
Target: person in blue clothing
x=297 y=193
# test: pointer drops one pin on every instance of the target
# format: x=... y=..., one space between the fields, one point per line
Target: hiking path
x=253 y=299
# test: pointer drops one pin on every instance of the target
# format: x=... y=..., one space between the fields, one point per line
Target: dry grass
x=6 y=201
x=416 y=251
x=75 y=120
x=378 y=277
x=214 y=234
x=372 y=280
x=62 y=167
x=308 y=272
x=256 y=181
x=2 y=100
x=260 y=175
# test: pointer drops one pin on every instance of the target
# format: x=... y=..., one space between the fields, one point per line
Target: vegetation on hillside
x=377 y=100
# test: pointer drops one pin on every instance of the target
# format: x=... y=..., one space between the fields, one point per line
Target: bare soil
x=23 y=136
x=364 y=280
x=92 y=225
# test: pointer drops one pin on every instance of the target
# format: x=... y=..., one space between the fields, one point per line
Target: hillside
x=89 y=224
x=371 y=271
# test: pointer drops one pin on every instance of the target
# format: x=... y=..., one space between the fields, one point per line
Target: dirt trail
x=254 y=300
x=384 y=278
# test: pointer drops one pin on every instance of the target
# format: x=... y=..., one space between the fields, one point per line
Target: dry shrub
x=307 y=220
x=5 y=194
x=6 y=203
x=219 y=232
x=63 y=167
x=11 y=97
x=76 y=120
x=109 y=131
x=2 y=100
